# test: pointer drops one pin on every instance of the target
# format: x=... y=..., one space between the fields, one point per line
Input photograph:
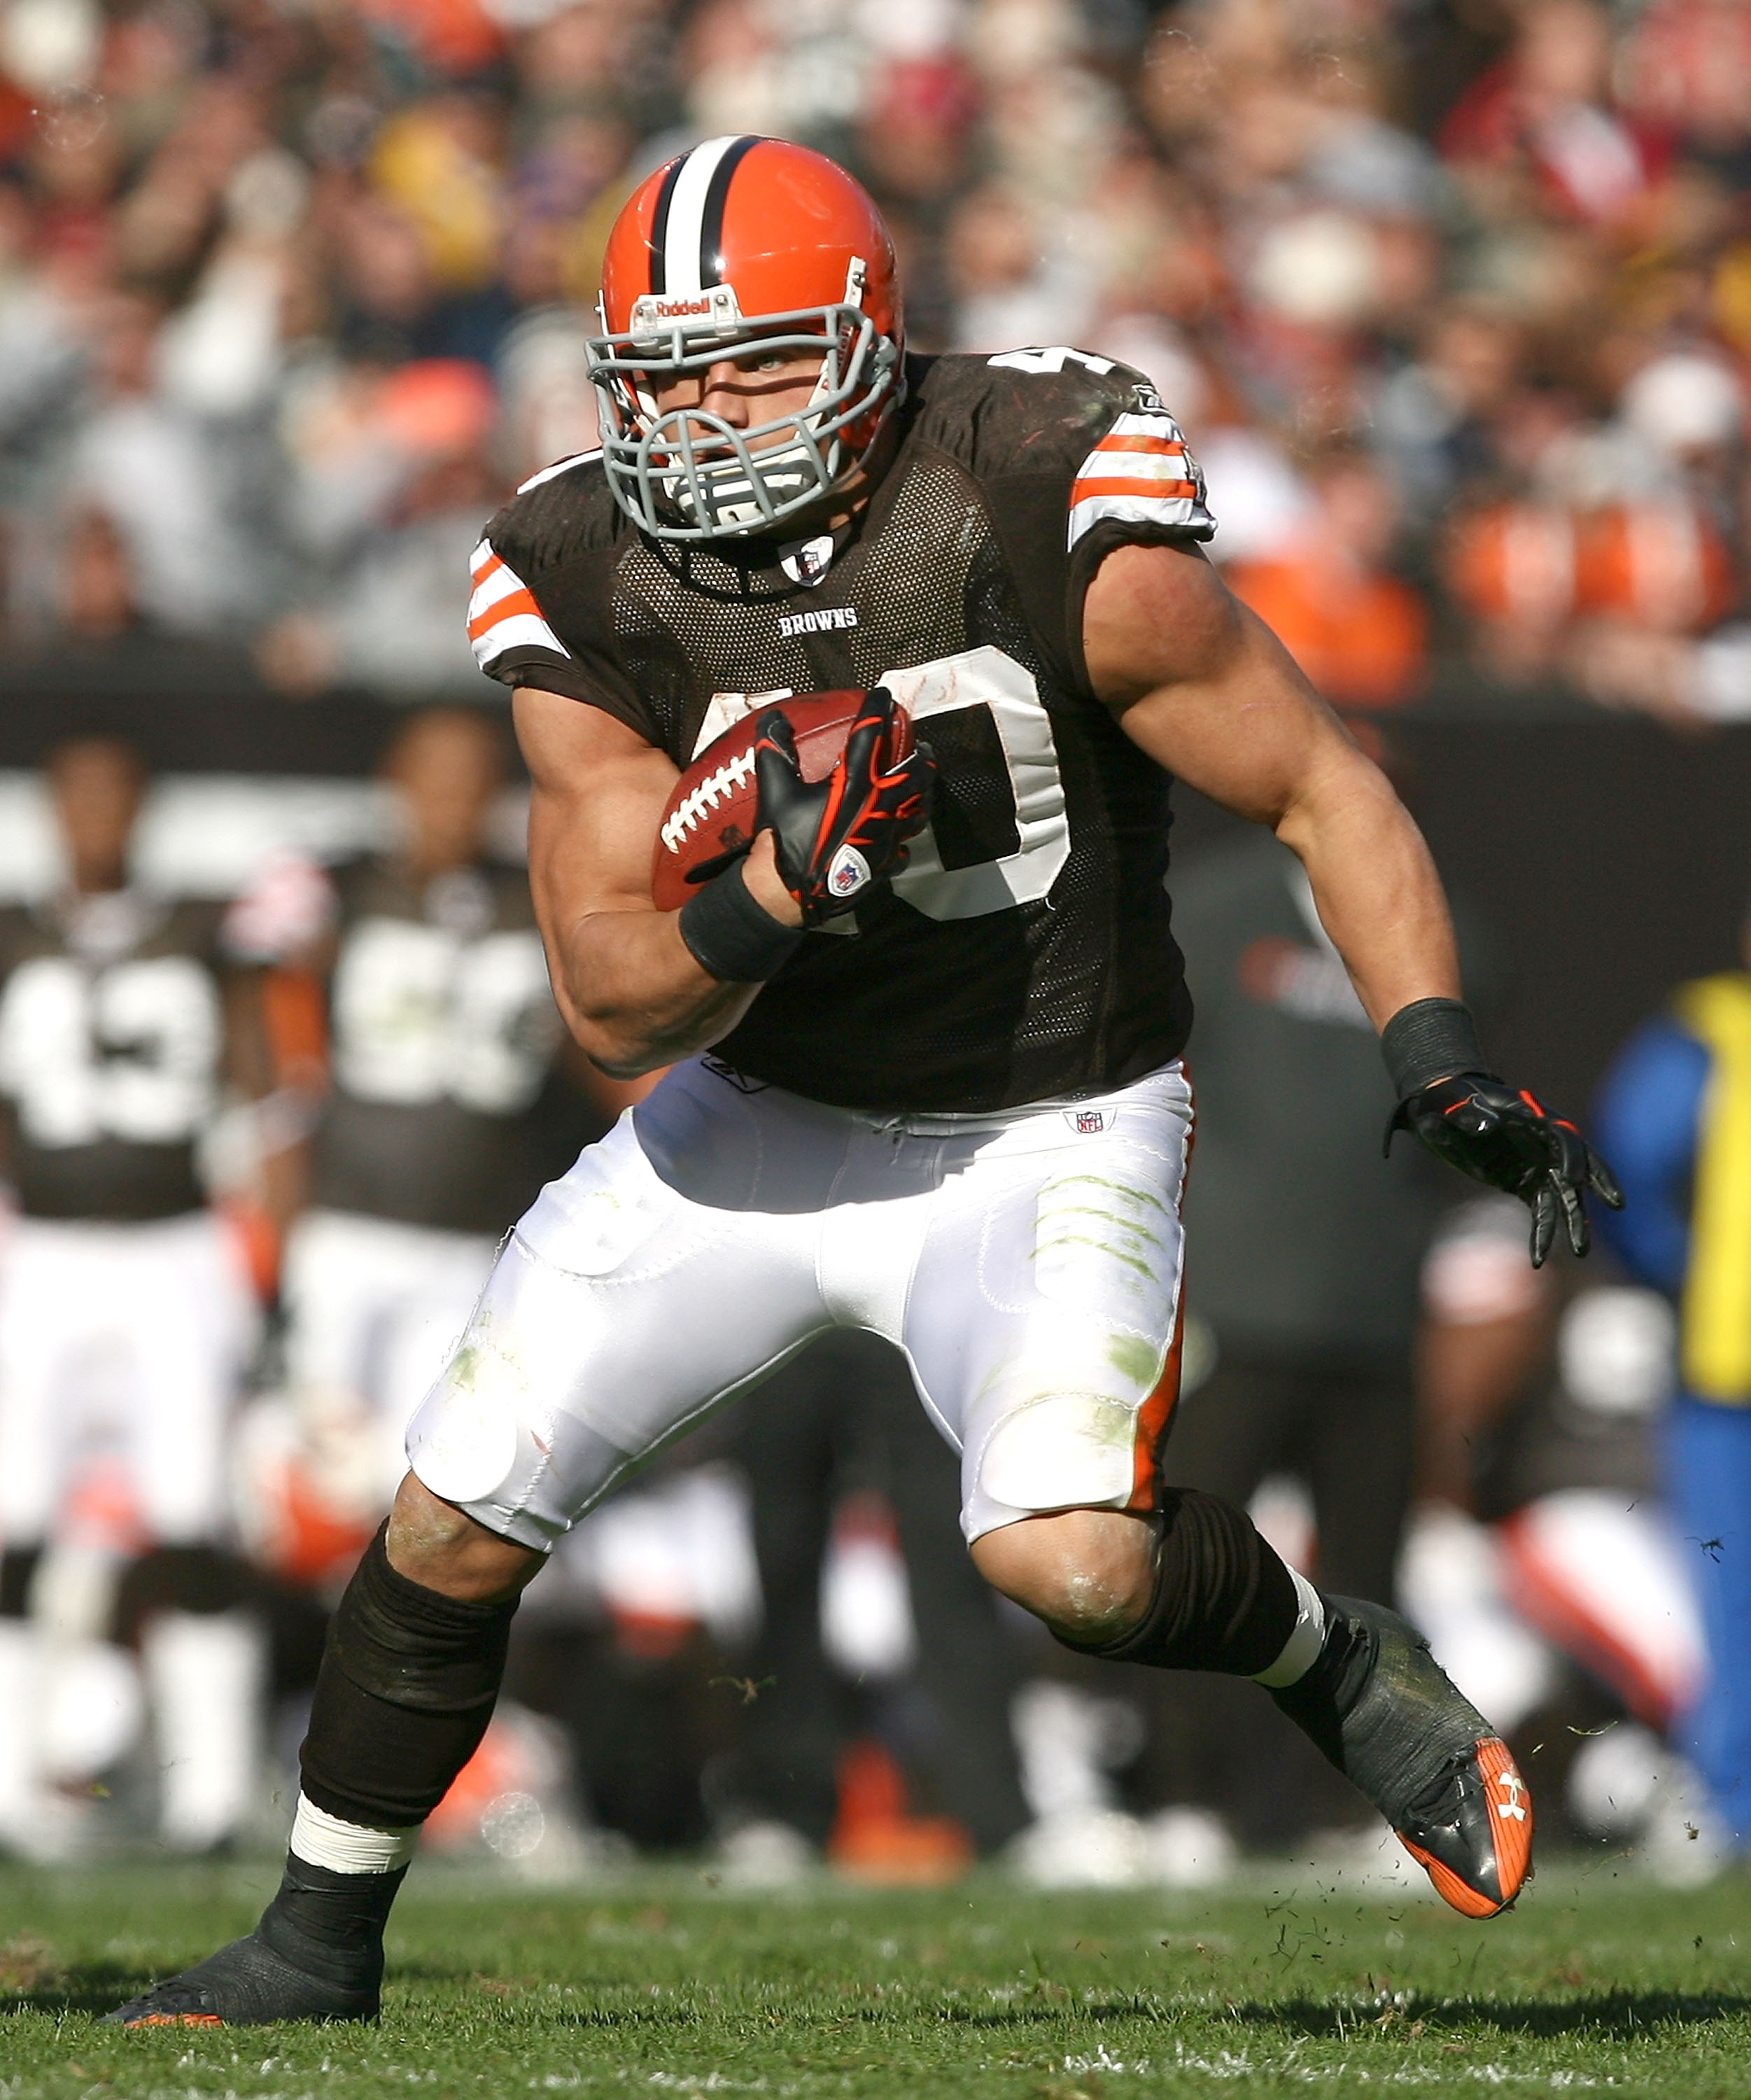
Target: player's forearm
x=1375 y=885
x=634 y=997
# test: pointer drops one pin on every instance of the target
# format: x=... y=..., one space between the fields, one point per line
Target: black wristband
x=731 y=935
x=1430 y=1039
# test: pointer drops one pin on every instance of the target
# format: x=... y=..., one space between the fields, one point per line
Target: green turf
x=664 y=1984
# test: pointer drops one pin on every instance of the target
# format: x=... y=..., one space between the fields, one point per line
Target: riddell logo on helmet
x=716 y=306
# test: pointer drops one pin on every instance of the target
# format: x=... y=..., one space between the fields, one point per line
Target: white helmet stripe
x=681 y=258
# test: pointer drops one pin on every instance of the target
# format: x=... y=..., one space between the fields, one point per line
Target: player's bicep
x=597 y=793
x=1201 y=683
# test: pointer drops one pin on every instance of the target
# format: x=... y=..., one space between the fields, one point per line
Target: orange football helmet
x=742 y=241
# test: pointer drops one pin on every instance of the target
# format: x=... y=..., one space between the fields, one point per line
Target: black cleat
x=1380 y=1708
x=316 y=1954
x=243 y=1985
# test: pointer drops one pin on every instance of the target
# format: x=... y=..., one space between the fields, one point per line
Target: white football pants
x=374 y=1309
x=1027 y=1263
x=134 y=1334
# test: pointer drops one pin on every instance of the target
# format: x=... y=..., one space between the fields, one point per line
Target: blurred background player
x=443 y=1110
x=1677 y=1104
x=845 y=1417
x=1542 y=1558
x=126 y=1314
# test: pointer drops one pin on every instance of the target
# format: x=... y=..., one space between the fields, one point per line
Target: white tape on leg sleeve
x=1300 y=1652
x=322 y=1840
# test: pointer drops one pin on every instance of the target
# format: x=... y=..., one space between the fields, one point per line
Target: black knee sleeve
x=18 y=1571
x=407 y=1687
x=1223 y=1599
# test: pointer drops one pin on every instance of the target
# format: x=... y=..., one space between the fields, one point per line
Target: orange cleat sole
x=1511 y=1828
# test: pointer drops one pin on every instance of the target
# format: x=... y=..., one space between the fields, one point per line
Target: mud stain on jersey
x=1059 y=1450
x=1102 y=1246
x=1135 y=1360
x=1145 y=1197
x=1094 y=1211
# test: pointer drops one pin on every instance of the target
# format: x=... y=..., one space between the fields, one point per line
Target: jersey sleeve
x=1140 y=481
x=540 y=610
x=1077 y=455
x=1138 y=486
x=511 y=641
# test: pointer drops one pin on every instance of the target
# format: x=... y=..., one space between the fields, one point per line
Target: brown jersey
x=443 y=1035
x=112 y=1050
x=1026 y=951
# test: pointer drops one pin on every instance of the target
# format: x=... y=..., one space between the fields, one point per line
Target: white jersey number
x=1052 y=359
x=987 y=678
x=422 y=1015
x=978 y=678
x=131 y=1051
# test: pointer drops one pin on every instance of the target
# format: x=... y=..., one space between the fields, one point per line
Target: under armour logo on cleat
x=1514 y=1792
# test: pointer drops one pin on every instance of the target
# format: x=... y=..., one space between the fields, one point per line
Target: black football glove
x=837 y=838
x=1487 y=1130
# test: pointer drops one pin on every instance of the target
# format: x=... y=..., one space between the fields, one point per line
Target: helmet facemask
x=685 y=473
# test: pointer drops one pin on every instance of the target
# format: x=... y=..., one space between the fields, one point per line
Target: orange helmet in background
x=742 y=241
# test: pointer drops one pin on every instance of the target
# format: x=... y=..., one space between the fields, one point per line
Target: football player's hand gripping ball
x=835 y=838
x=1488 y=1130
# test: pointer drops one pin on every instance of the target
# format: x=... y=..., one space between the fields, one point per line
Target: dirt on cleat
x=1380 y=1708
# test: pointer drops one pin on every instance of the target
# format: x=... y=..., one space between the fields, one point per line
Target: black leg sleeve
x=407 y=1686
x=199 y=1579
x=1223 y=1600
x=329 y=1925
x=18 y=1572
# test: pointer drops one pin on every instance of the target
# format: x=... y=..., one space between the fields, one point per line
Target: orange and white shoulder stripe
x=1141 y=474
x=502 y=612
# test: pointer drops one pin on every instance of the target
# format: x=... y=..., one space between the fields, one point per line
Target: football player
x=125 y=1301
x=442 y=1036
x=927 y=1075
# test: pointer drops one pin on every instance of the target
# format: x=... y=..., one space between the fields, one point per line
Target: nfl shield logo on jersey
x=1089 y=1121
x=848 y=873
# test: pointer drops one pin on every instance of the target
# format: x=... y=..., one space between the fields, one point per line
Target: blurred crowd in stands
x=1453 y=298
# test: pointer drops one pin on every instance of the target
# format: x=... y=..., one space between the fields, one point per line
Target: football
x=712 y=808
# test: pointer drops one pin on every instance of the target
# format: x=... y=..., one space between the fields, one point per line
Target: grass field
x=663 y=1984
